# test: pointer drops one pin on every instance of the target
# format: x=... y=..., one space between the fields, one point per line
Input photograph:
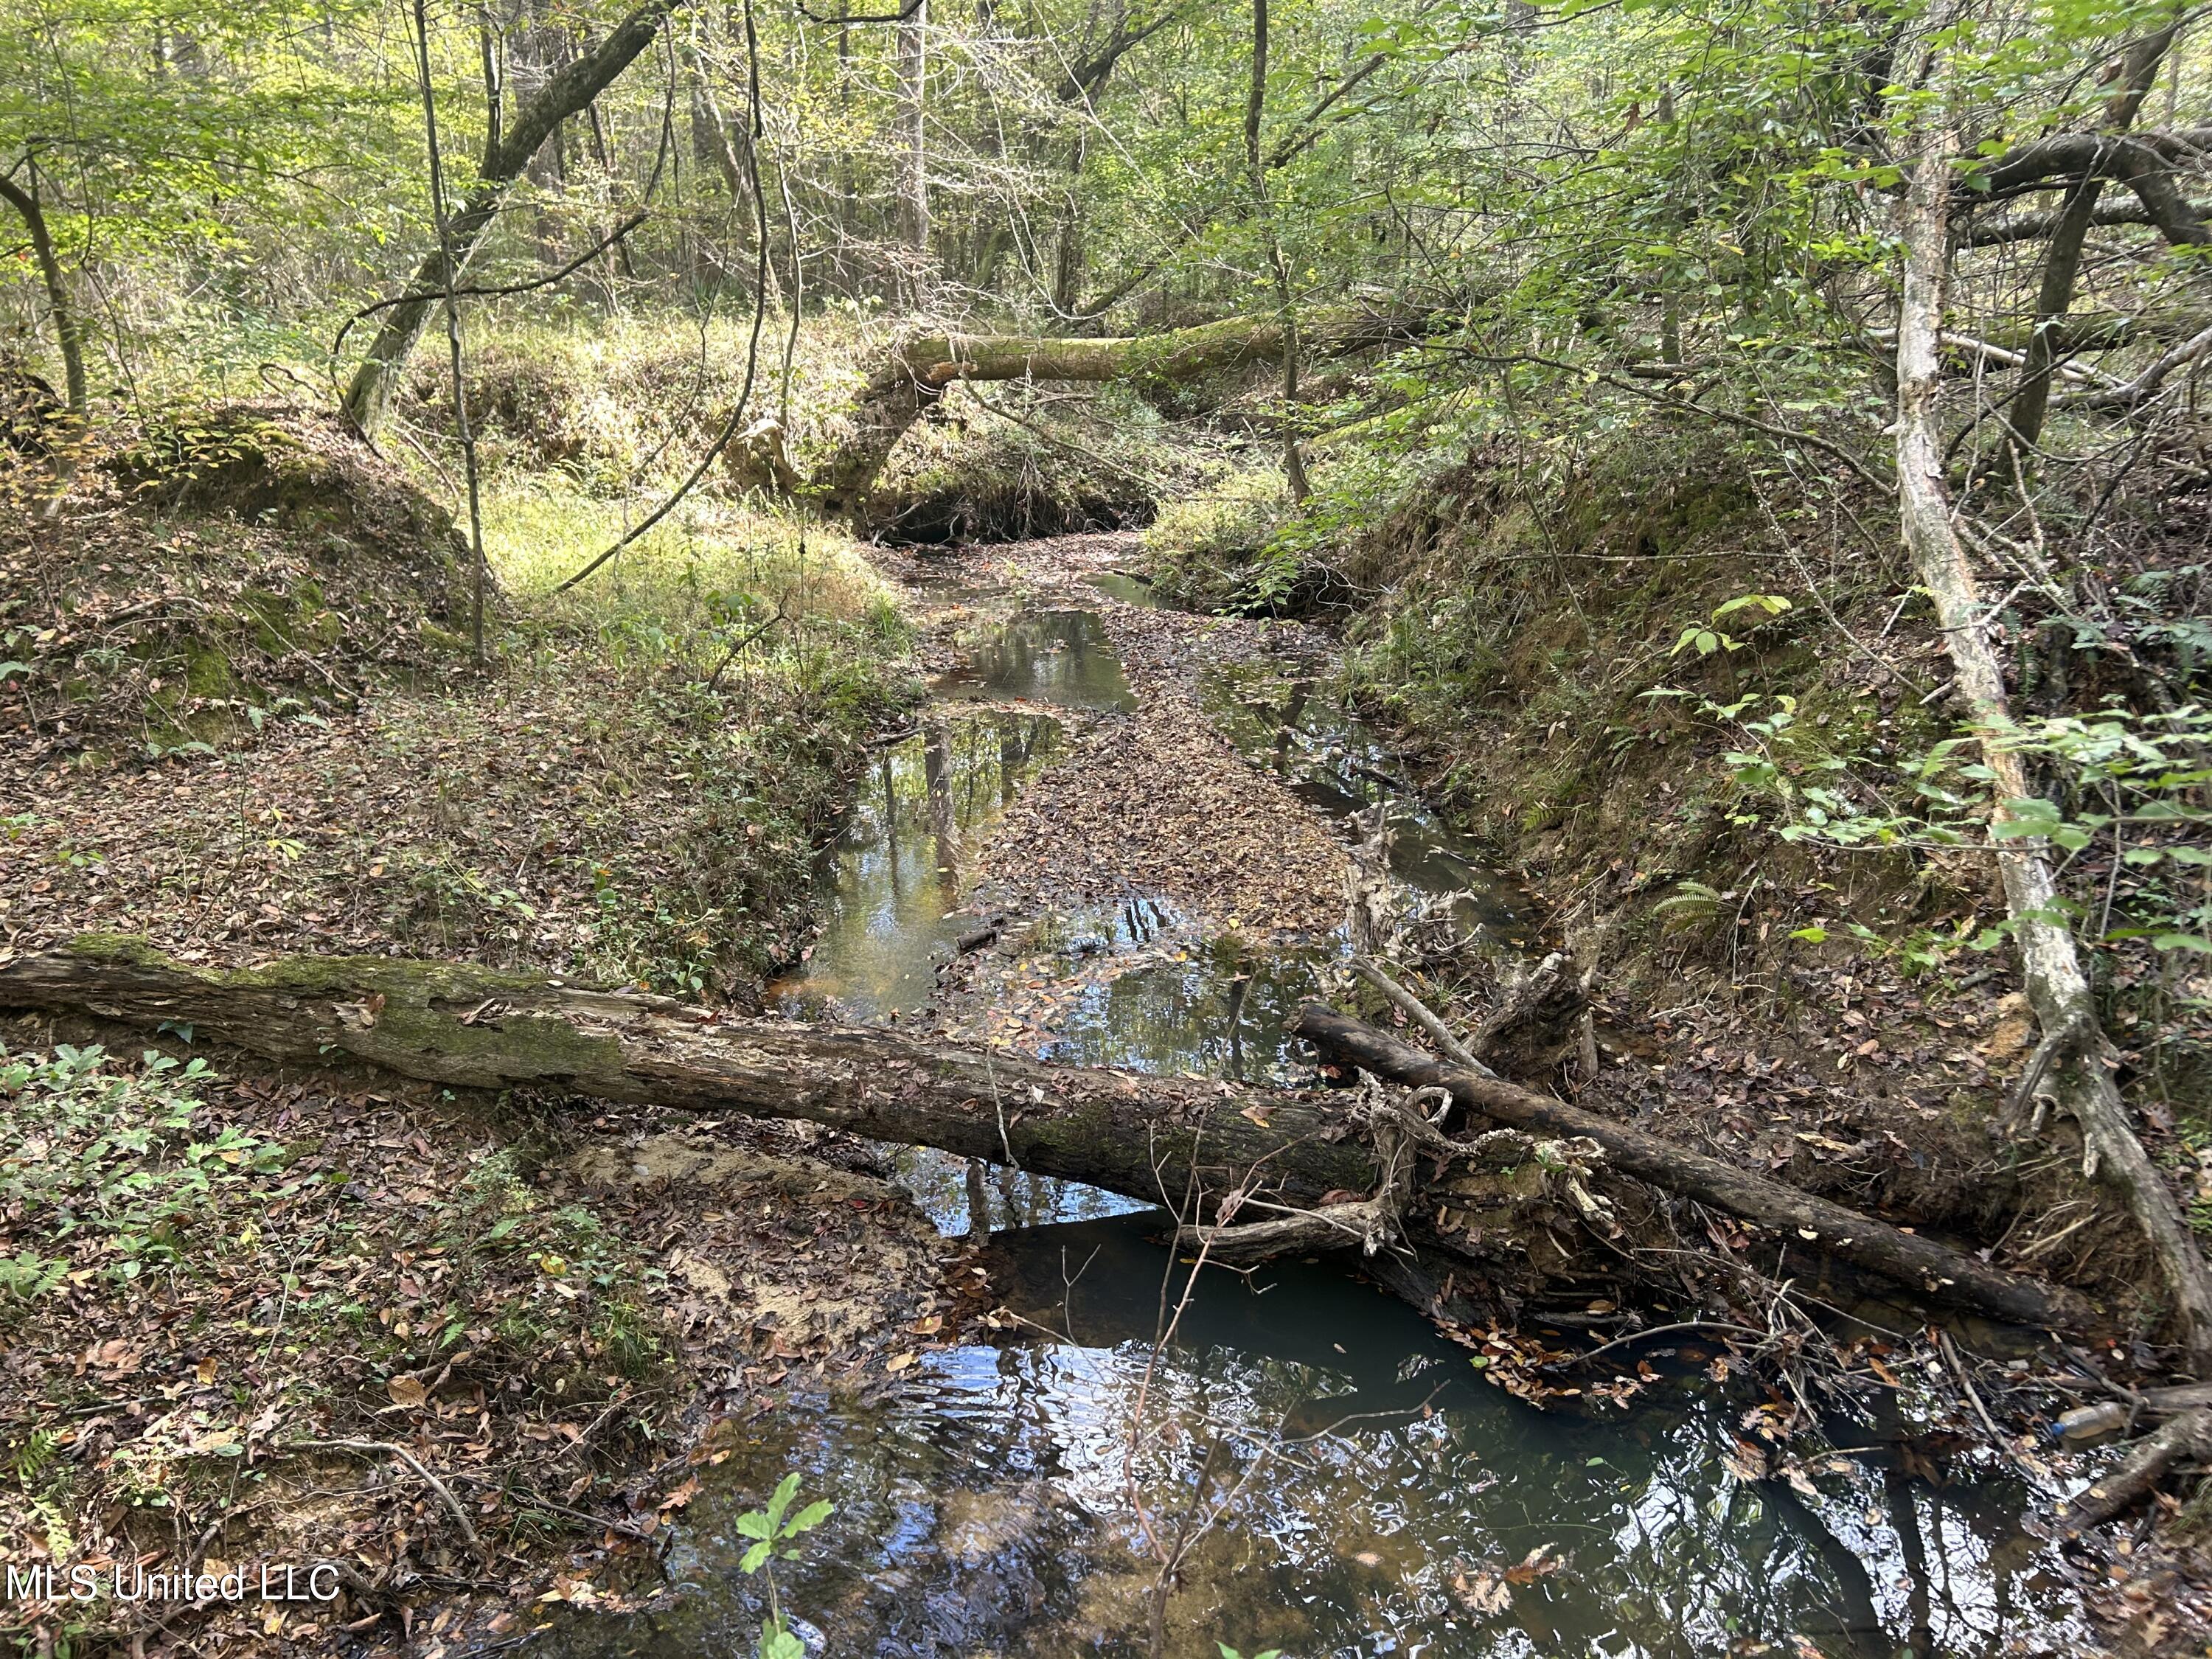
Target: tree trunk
x=69 y=332
x=1156 y=1139
x=1256 y=105
x=569 y=90
x=913 y=148
x=2062 y=260
x=1934 y=1270
x=2079 y=1071
x=1176 y=1141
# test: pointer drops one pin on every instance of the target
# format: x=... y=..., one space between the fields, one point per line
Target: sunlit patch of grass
x=709 y=575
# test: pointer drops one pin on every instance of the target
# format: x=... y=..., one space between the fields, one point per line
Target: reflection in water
x=1340 y=764
x=1050 y=656
x=1136 y=986
x=984 y=1504
x=1129 y=589
x=900 y=868
x=984 y=1507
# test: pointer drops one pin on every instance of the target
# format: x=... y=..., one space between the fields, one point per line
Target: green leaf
x=785 y=1490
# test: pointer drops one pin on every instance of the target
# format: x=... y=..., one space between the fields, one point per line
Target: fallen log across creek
x=1175 y=1141
x=1934 y=1270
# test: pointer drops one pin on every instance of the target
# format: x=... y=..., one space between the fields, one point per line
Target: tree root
x=2135 y=1477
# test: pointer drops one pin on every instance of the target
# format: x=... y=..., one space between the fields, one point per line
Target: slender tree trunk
x=565 y=94
x=2079 y=1074
x=69 y=336
x=1255 y=105
x=2062 y=260
x=69 y=332
x=438 y=216
x=732 y=151
x=913 y=147
x=1067 y=265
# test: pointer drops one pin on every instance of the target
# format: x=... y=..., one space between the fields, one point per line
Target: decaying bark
x=1934 y=1270
x=2073 y=1060
x=1156 y=1139
x=1170 y=1140
x=564 y=93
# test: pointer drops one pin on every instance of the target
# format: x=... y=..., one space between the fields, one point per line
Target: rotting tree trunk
x=1934 y=1270
x=916 y=376
x=1171 y=1140
x=1153 y=1139
x=2072 y=1056
x=564 y=93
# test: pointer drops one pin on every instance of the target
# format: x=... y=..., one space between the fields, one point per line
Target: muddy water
x=1386 y=1501
x=902 y=866
x=1373 y=1495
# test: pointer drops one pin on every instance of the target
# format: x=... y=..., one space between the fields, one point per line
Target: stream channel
x=1377 y=1497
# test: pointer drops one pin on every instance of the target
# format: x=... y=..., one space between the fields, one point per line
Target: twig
x=731 y=655
x=385 y=1449
x=1663 y=1330
x=1950 y=1352
x=1418 y=1012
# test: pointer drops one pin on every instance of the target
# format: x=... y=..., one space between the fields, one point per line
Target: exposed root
x=2135 y=1477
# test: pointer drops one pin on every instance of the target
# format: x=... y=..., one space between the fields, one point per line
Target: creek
x=1365 y=1491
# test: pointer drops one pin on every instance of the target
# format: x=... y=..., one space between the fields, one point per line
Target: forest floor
x=233 y=740
x=562 y=1316
x=1156 y=804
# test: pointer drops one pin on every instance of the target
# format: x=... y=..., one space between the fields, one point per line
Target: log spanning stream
x=1387 y=1500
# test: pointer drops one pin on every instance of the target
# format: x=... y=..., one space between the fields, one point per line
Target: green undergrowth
x=630 y=787
x=1213 y=549
x=1693 y=706
x=623 y=409
x=202 y=1272
x=618 y=404
x=639 y=795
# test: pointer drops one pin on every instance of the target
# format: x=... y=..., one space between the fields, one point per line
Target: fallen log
x=914 y=377
x=1934 y=1270
x=1159 y=1140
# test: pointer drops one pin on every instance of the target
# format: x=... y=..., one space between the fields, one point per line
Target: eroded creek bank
x=1117 y=835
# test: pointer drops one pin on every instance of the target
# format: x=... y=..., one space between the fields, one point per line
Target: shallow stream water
x=1368 y=1493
